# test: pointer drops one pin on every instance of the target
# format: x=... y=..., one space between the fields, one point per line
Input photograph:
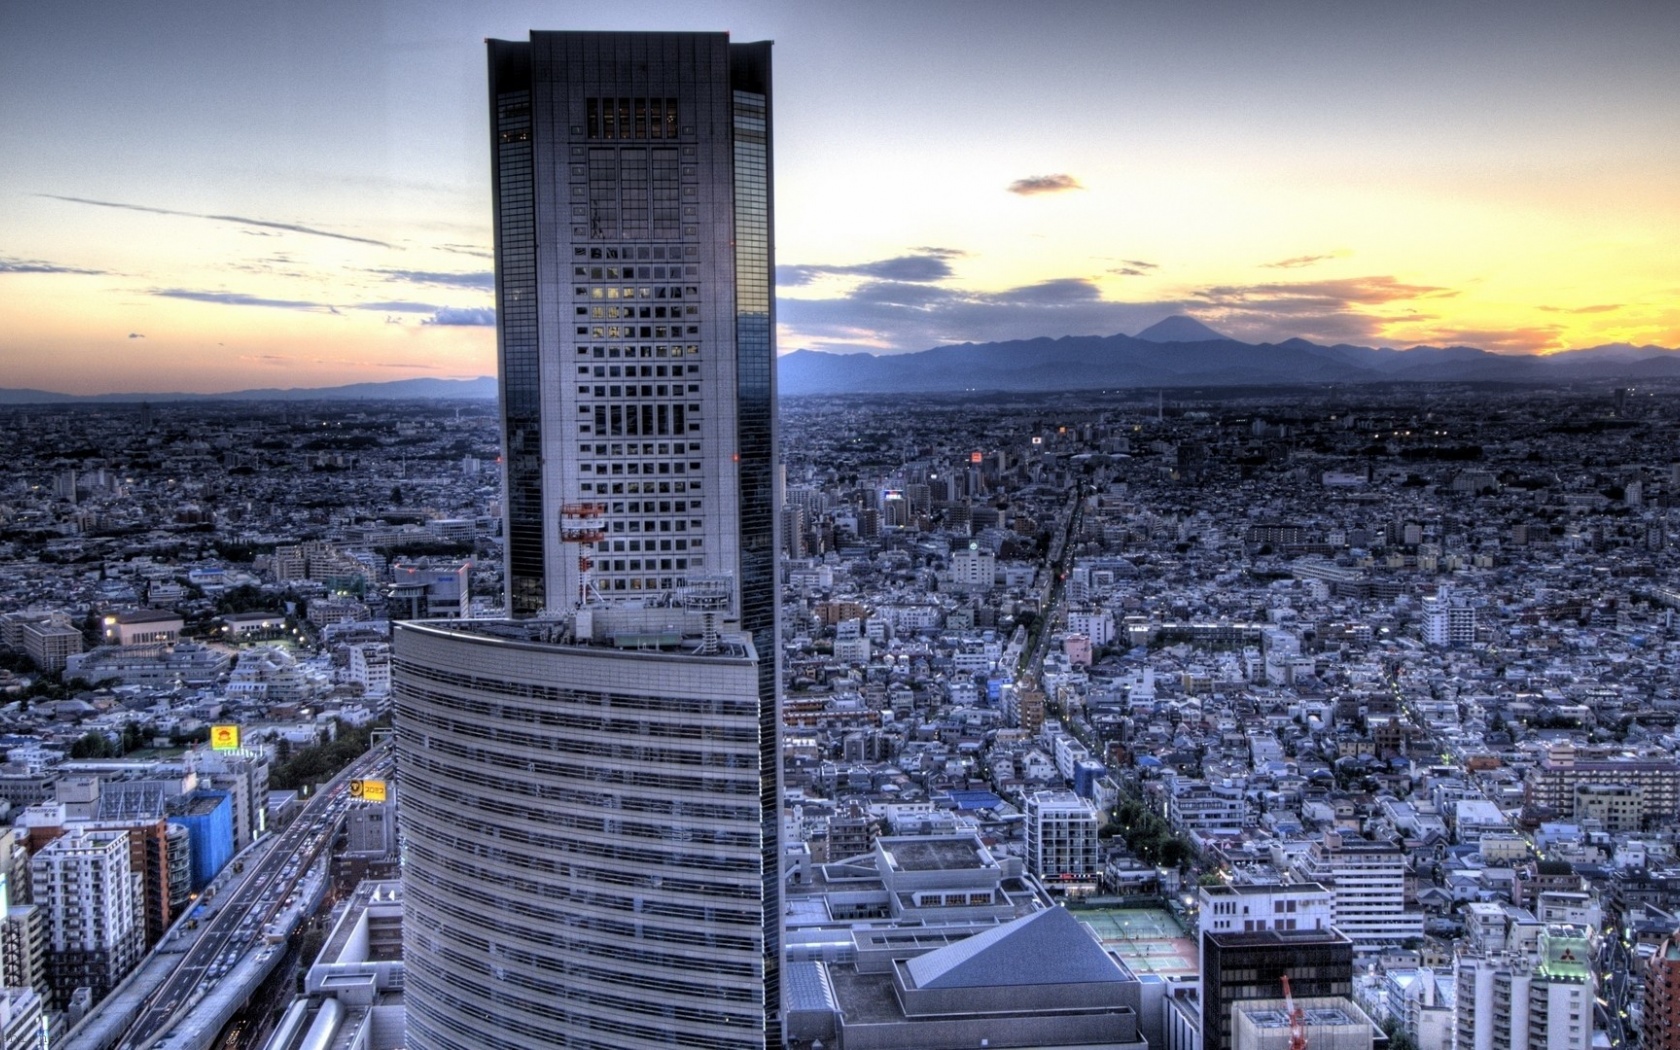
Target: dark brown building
x=1660 y=1026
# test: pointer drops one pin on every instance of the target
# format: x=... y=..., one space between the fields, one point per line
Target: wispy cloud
x=39 y=266
x=474 y=279
x=238 y=220
x=1519 y=340
x=474 y=316
x=241 y=299
x=400 y=306
x=1602 y=308
x=136 y=335
x=921 y=265
x=1133 y=268
x=1037 y=184
x=1297 y=261
x=467 y=249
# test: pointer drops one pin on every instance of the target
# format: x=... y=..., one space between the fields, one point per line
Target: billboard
x=224 y=738
x=368 y=790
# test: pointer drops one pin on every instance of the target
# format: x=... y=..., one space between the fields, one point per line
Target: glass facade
x=755 y=408
x=580 y=826
x=1237 y=967
x=519 y=359
x=635 y=260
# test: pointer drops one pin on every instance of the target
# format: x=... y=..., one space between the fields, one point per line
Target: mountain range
x=1198 y=356
x=484 y=387
x=1177 y=352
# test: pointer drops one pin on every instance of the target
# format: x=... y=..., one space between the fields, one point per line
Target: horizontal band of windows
x=563 y=940
x=587 y=699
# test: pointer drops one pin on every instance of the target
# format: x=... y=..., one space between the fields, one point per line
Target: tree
x=92 y=744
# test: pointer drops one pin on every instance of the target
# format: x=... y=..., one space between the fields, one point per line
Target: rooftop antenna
x=580 y=523
x=709 y=596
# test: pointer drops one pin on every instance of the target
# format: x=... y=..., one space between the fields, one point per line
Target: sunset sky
x=212 y=196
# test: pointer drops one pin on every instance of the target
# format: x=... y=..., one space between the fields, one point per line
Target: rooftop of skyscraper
x=655 y=630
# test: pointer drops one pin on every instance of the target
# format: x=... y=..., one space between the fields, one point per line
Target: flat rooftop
x=675 y=631
x=1260 y=889
x=1278 y=937
x=934 y=855
x=202 y=804
x=1321 y=1016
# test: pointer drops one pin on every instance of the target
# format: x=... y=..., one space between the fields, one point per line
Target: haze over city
x=207 y=198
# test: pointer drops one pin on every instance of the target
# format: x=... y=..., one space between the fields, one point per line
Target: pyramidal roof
x=1046 y=947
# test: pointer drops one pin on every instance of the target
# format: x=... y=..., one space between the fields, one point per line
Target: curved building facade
x=583 y=859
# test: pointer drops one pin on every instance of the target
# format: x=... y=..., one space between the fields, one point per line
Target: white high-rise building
x=973 y=569
x=1537 y=997
x=1062 y=838
x=1448 y=619
x=1095 y=624
x=92 y=904
x=1258 y=908
x=1367 y=881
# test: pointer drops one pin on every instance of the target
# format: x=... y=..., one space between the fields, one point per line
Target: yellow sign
x=368 y=790
x=224 y=738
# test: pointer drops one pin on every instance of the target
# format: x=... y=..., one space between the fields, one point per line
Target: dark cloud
x=135 y=335
x=923 y=264
x=469 y=315
x=467 y=249
x=38 y=266
x=240 y=299
x=1044 y=184
x=400 y=306
x=238 y=220
x=1307 y=296
x=475 y=279
x=1352 y=309
x=892 y=316
x=1061 y=291
x=1603 y=308
x=1297 y=261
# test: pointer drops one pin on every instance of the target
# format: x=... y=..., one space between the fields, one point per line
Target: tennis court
x=1149 y=940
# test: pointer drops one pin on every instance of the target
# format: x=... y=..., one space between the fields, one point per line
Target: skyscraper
x=591 y=800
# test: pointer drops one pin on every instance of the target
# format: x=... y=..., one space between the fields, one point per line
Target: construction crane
x=1297 y=1019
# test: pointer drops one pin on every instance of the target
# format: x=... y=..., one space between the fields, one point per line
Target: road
x=240 y=913
x=1056 y=564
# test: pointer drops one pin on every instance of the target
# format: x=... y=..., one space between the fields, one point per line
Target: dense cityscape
x=1086 y=612
x=1132 y=655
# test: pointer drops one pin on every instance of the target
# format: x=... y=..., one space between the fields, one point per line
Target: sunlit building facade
x=591 y=807
x=581 y=845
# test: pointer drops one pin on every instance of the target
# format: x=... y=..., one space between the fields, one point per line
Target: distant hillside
x=1197 y=356
x=484 y=387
